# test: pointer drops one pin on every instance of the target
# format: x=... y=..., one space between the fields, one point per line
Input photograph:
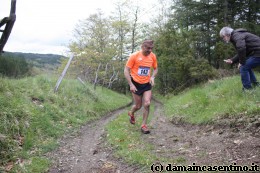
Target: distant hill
x=42 y=61
x=39 y=58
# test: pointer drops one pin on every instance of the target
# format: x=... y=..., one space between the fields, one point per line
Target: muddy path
x=88 y=151
x=203 y=145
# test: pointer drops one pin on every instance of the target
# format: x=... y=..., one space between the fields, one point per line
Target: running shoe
x=132 y=118
x=144 y=129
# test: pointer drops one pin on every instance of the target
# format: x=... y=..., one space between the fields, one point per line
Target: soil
x=225 y=142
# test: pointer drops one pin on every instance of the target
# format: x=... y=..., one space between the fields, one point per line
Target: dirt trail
x=87 y=151
x=203 y=145
x=185 y=144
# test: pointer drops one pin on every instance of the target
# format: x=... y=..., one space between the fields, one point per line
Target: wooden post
x=81 y=81
x=63 y=74
x=90 y=93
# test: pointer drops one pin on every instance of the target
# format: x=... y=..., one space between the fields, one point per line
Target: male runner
x=138 y=75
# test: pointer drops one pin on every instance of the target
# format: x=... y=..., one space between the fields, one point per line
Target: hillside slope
x=215 y=124
x=33 y=117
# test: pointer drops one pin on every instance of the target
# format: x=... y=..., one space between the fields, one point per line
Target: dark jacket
x=246 y=44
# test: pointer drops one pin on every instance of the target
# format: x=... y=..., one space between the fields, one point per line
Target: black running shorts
x=141 y=88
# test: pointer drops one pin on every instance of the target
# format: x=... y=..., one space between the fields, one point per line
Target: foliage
x=94 y=51
x=103 y=44
x=179 y=66
x=191 y=36
x=38 y=60
x=33 y=117
x=222 y=51
x=32 y=64
x=207 y=17
x=186 y=34
x=13 y=67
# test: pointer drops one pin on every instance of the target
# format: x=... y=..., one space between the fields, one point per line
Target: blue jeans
x=246 y=72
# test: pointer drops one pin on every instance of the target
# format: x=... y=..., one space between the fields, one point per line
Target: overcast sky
x=45 y=26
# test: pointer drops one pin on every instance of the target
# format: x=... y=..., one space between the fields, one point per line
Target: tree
x=103 y=44
x=9 y=23
x=206 y=17
x=13 y=66
x=93 y=45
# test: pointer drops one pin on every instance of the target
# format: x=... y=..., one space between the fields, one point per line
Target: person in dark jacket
x=248 y=53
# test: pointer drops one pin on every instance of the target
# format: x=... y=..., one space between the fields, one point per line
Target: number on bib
x=143 y=71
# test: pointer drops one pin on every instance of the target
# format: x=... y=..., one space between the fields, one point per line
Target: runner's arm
x=155 y=71
x=128 y=78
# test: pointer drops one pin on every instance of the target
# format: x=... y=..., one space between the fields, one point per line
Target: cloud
x=45 y=26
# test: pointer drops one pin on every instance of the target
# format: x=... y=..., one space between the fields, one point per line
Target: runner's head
x=147 y=47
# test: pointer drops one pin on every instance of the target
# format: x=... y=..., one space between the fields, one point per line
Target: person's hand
x=133 y=88
x=152 y=81
x=228 y=61
x=239 y=65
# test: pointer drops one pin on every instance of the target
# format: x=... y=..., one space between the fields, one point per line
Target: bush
x=13 y=67
x=183 y=72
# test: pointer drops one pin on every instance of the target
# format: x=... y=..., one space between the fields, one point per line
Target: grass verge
x=33 y=117
x=129 y=142
x=197 y=105
x=216 y=99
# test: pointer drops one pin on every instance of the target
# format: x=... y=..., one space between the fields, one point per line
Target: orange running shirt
x=140 y=66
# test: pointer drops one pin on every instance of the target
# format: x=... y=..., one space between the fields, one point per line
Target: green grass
x=198 y=105
x=33 y=117
x=130 y=143
x=221 y=98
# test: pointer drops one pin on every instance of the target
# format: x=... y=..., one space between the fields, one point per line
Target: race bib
x=143 y=71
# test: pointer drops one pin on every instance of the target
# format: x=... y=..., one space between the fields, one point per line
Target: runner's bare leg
x=147 y=96
x=137 y=103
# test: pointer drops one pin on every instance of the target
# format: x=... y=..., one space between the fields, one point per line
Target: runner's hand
x=133 y=88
